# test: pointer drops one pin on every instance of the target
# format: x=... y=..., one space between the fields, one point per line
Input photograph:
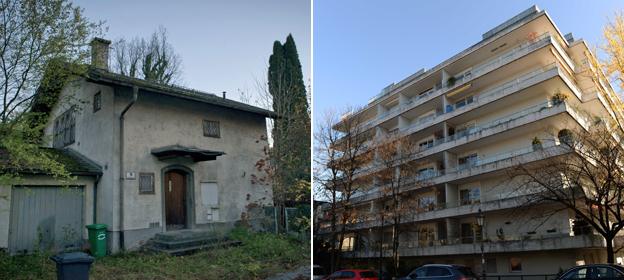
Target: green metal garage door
x=45 y=218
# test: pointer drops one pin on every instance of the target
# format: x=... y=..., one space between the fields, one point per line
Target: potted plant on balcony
x=451 y=81
x=500 y=234
x=558 y=98
x=537 y=144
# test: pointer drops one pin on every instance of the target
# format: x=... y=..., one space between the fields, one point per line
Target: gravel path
x=301 y=273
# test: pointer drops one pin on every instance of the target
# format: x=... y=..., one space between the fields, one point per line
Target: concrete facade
x=469 y=132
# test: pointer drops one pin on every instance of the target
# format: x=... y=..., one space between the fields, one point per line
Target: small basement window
x=211 y=129
x=146 y=183
x=97 y=101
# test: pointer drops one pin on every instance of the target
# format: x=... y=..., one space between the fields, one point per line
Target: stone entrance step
x=183 y=242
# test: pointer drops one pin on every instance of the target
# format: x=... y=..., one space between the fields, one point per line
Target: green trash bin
x=97 y=239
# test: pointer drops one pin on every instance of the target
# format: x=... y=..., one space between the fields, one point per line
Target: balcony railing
x=477 y=163
x=494 y=158
x=471 y=74
x=469 y=245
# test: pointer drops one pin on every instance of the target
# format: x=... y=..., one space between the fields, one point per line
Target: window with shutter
x=211 y=129
x=146 y=183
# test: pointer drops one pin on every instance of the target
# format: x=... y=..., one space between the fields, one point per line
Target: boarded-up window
x=210 y=193
x=146 y=183
x=65 y=128
x=211 y=129
x=97 y=101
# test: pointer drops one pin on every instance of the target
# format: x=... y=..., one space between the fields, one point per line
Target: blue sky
x=225 y=45
x=362 y=46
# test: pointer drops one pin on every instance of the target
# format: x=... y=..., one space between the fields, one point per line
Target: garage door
x=45 y=218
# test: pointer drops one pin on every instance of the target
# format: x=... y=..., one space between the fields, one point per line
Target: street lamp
x=480 y=220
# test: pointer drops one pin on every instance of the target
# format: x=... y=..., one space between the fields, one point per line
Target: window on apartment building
x=211 y=129
x=65 y=128
x=348 y=243
x=515 y=265
x=467 y=233
x=468 y=160
x=425 y=144
x=146 y=183
x=469 y=196
x=426 y=203
x=463 y=102
x=97 y=101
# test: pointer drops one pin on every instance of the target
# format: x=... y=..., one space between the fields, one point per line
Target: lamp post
x=480 y=221
x=381 y=247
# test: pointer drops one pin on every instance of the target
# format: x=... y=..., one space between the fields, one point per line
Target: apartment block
x=473 y=117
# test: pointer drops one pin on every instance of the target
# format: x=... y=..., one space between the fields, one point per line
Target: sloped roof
x=106 y=77
x=74 y=162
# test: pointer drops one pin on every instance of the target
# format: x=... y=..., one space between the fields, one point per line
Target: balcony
x=454 y=246
x=483 y=165
x=439 y=211
x=528 y=115
x=484 y=98
x=472 y=74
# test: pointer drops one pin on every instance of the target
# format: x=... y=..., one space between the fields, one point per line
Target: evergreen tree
x=291 y=131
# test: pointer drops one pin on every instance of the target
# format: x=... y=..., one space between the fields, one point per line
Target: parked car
x=353 y=274
x=594 y=271
x=441 y=272
x=318 y=272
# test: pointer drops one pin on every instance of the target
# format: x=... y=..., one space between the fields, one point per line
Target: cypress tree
x=291 y=132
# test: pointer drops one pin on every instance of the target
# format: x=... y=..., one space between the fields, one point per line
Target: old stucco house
x=160 y=158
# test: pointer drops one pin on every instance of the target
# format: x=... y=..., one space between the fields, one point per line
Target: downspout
x=135 y=95
x=95 y=184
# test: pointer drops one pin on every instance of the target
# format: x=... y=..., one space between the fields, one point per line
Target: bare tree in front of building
x=583 y=174
x=398 y=171
x=339 y=158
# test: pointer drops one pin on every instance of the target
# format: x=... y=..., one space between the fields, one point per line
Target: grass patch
x=261 y=255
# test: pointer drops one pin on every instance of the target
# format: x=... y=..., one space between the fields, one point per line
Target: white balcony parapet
x=498 y=161
x=455 y=246
x=523 y=81
x=477 y=71
x=485 y=97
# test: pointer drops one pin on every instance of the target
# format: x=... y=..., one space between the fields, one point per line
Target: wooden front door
x=175 y=200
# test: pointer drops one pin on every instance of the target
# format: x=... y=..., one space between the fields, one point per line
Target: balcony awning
x=177 y=151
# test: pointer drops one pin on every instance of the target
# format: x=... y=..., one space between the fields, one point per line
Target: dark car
x=353 y=274
x=594 y=271
x=441 y=272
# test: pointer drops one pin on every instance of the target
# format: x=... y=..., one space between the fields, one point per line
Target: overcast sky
x=224 y=45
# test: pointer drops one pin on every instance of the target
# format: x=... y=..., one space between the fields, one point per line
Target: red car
x=353 y=274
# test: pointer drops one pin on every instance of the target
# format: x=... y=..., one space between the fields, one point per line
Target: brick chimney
x=99 y=53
